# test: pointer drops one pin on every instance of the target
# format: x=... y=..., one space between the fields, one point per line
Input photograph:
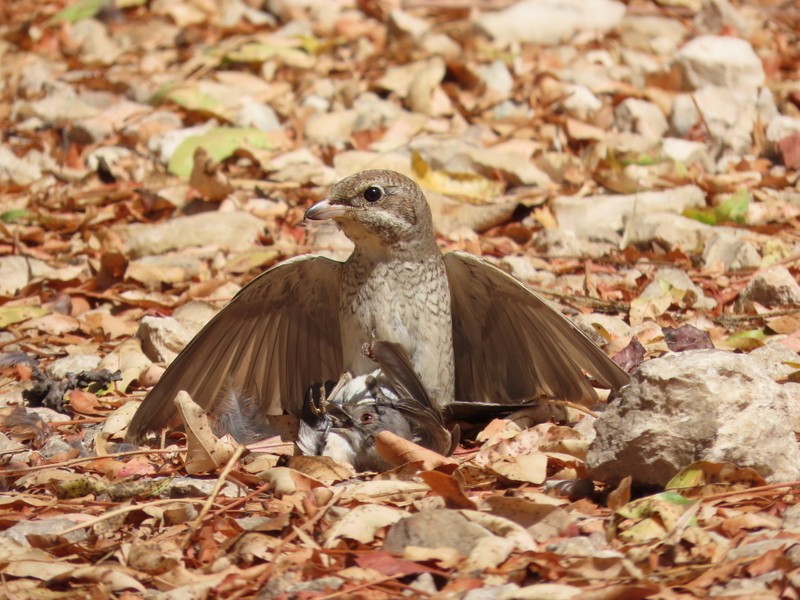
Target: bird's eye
x=368 y=417
x=373 y=193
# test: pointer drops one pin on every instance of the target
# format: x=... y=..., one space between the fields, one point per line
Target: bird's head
x=378 y=207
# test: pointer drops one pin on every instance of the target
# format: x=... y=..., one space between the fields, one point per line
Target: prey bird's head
x=378 y=207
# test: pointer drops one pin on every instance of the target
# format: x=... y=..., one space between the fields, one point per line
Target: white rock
x=719 y=60
x=227 y=230
x=776 y=359
x=773 y=287
x=549 y=21
x=730 y=115
x=660 y=35
x=668 y=231
x=74 y=363
x=781 y=126
x=404 y=23
x=195 y=314
x=730 y=250
x=497 y=78
x=162 y=338
x=18 y=170
x=258 y=115
x=716 y=15
x=698 y=405
x=581 y=102
x=596 y=216
x=560 y=242
x=685 y=151
x=640 y=116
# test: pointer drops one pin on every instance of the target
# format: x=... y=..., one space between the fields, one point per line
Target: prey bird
x=470 y=331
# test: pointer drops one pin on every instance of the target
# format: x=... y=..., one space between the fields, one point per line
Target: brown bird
x=471 y=331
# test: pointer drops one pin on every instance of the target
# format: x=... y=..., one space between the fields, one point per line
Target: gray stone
x=652 y=33
x=162 y=338
x=438 y=528
x=74 y=363
x=558 y=242
x=723 y=61
x=640 y=116
x=698 y=405
x=730 y=250
x=19 y=532
x=549 y=21
x=773 y=287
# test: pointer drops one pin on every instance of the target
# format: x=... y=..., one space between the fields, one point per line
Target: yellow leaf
x=470 y=186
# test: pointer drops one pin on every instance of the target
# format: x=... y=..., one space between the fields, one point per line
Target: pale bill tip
x=325 y=210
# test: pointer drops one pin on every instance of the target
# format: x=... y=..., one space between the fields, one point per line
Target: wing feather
x=277 y=336
x=510 y=346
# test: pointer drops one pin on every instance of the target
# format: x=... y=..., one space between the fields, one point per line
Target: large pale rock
x=729 y=115
x=595 y=216
x=700 y=405
x=668 y=231
x=222 y=229
x=550 y=21
x=719 y=60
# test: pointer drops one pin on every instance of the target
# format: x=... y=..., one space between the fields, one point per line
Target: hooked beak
x=323 y=210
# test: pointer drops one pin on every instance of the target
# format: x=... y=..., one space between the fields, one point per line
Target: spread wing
x=510 y=346
x=276 y=337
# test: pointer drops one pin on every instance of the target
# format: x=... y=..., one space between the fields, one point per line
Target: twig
x=126 y=509
x=305 y=526
x=723 y=319
x=417 y=593
x=223 y=476
x=753 y=490
x=82 y=459
x=588 y=300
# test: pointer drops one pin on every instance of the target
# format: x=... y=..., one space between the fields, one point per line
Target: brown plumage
x=470 y=331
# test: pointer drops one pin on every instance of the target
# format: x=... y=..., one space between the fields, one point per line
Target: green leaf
x=733 y=209
x=193 y=99
x=220 y=143
x=10 y=216
x=744 y=340
x=17 y=314
x=83 y=9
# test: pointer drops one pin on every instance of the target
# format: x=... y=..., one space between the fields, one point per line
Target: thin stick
x=126 y=509
x=82 y=459
x=223 y=476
